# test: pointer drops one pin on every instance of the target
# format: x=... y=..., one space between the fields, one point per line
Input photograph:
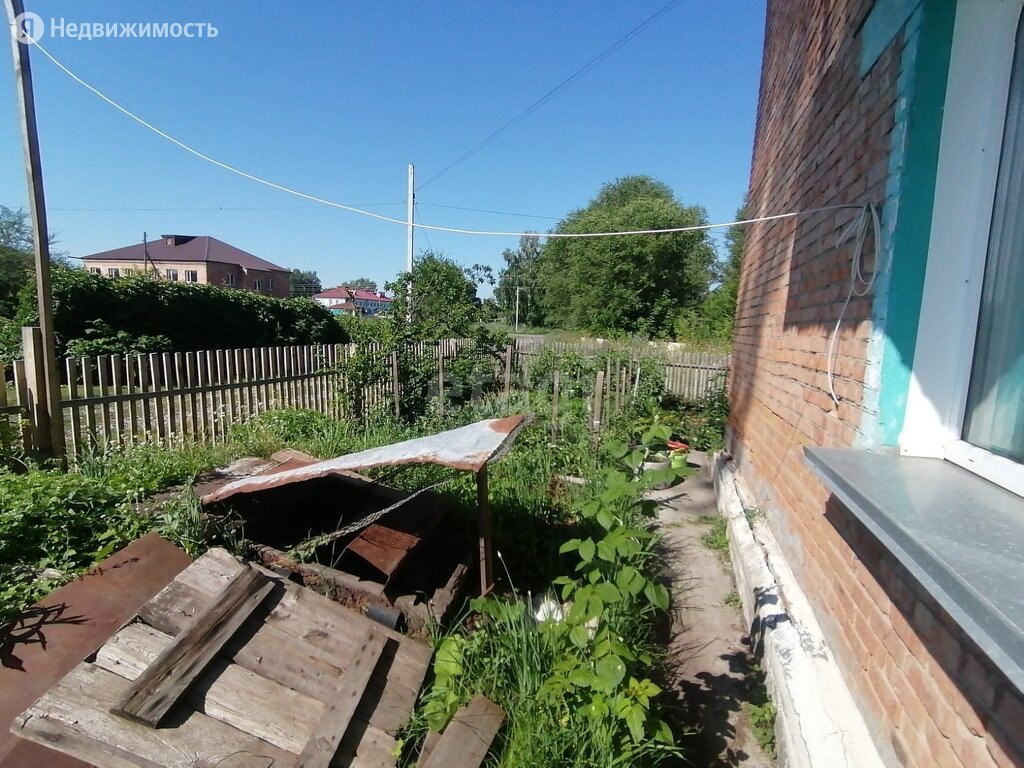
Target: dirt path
x=713 y=673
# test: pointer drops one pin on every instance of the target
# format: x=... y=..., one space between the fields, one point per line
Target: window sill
x=960 y=536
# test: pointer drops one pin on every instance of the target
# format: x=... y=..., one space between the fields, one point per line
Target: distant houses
x=354 y=301
x=193 y=259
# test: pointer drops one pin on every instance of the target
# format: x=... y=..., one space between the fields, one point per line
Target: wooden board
x=467 y=739
x=264 y=694
x=74 y=717
x=323 y=742
x=156 y=690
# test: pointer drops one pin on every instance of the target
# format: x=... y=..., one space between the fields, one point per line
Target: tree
x=15 y=257
x=303 y=282
x=362 y=283
x=636 y=284
x=519 y=275
x=444 y=300
x=719 y=310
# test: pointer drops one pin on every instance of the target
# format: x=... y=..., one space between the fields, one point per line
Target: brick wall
x=823 y=138
x=217 y=275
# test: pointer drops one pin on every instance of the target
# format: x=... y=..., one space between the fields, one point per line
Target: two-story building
x=193 y=259
x=354 y=301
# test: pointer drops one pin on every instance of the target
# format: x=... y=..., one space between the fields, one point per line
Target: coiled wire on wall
x=860 y=285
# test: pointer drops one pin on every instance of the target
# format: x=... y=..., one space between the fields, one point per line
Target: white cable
x=403 y=222
x=859 y=285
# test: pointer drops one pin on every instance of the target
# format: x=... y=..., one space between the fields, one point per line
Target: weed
x=717 y=538
x=762 y=720
x=733 y=600
x=577 y=689
x=54 y=525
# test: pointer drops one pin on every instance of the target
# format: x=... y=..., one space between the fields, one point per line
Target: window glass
x=191 y=276
x=994 y=417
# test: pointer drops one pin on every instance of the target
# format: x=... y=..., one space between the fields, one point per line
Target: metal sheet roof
x=468 y=448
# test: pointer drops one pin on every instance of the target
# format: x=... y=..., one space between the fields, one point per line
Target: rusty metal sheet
x=54 y=635
x=467 y=448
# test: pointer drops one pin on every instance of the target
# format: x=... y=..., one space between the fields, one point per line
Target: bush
x=93 y=312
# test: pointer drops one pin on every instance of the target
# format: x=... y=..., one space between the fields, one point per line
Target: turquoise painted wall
x=927 y=26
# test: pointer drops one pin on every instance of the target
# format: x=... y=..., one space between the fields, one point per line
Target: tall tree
x=634 y=283
x=15 y=257
x=719 y=310
x=519 y=275
x=362 y=283
x=444 y=303
x=304 y=282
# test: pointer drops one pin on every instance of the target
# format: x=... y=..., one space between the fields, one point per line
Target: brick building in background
x=193 y=259
x=897 y=504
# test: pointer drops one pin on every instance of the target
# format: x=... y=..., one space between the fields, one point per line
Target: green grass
x=572 y=698
x=717 y=538
x=54 y=525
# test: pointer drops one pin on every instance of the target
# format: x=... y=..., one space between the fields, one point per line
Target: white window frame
x=257 y=285
x=229 y=279
x=270 y=283
x=113 y=271
x=981 y=59
x=96 y=270
x=191 y=275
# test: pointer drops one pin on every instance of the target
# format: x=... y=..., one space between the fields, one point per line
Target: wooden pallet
x=212 y=673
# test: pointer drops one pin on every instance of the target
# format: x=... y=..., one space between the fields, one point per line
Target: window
x=257 y=285
x=96 y=270
x=191 y=276
x=270 y=283
x=172 y=274
x=965 y=400
x=113 y=272
x=229 y=279
x=129 y=271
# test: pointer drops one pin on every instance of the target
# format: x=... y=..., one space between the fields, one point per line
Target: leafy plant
x=762 y=721
x=576 y=686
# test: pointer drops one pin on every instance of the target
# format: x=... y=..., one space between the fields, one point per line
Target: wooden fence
x=171 y=396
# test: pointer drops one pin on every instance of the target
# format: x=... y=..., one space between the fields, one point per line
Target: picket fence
x=202 y=395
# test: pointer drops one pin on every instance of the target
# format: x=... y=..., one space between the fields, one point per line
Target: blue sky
x=335 y=99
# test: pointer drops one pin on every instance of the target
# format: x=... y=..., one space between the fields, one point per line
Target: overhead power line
x=550 y=94
x=216 y=208
x=498 y=213
x=431 y=227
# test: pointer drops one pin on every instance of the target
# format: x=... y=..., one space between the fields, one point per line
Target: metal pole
x=410 y=202
x=51 y=433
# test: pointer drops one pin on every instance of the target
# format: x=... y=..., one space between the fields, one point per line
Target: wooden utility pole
x=410 y=211
x=45 y=409
x=517 y=307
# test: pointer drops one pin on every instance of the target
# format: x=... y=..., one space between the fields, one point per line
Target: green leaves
x=587 y=549
x=609 y=672
x=657 y=595
x=448 y=659
x=624 y=284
